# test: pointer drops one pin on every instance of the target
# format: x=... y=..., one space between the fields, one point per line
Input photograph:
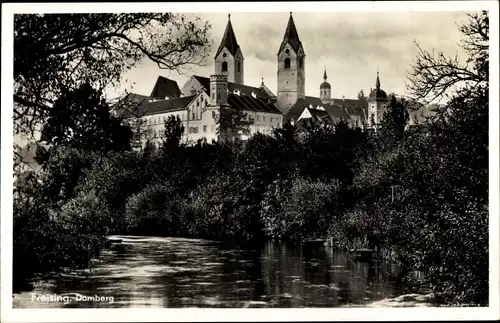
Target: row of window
x=205 y=129
x=194 y=130
x=155 y=120
x=265 y=118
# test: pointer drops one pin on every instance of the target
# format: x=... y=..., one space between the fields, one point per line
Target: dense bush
x=299 y=209
x=154 y=211
x=46 y=239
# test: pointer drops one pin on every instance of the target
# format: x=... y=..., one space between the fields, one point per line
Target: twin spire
x=229 y=39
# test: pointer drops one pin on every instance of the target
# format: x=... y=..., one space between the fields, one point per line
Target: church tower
x=377 y=105
x=229 y=58
x=291 y=69
x=325 y=90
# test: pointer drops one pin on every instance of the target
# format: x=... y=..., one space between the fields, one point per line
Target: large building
x=197 y=103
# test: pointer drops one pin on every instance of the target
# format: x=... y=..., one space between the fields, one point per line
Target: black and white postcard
x=206 y=161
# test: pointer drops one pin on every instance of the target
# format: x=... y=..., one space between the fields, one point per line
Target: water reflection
x=175 y=272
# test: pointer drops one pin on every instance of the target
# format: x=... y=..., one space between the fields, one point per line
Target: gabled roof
x=165 y=87
x=161 y=106
x=339 y=109
x=228 y=40
x=129 y=104
x=249 y=103
x=135 y=98
x=205 y=82
x=350 y=103
x=291 y=36
x=336 y=112
x=317 y=114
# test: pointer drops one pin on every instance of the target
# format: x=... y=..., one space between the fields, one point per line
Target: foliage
x=62 y=170
x=153 y=211
x=434 y=75
x=232 y=123
x=81 y=119
x=46 y=239
x=114 y=178
x=55 y=53
x=141 y=133
x=299 y=209
x=395 y=120
x=172 y=134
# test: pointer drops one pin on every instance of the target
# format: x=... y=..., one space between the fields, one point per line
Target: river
x=176 y=272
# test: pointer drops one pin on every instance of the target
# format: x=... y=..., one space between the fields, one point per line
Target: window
x=239 y=67
x=204 y=128
x=218 y=96
x=154 y=133
x=164 y=118
x=300 y=61
x=197 y=103
x=373 y=119
x=224 y=67
x=193 y=129
x=224 y=55
x=258 y=118
x=212 y=128
x=193 y=116
x=287 y=51
x=263 y=118
x=287 y=63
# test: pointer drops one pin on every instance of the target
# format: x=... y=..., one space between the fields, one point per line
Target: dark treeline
x=420 y=193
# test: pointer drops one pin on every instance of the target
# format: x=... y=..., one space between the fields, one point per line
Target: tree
x=361 y=95
x=172 y=134
x=434 y=75
x=140 y=131
x=81 y=119
x=54 y=53
x=450 y=180
x=232 y=123
x=395 y=120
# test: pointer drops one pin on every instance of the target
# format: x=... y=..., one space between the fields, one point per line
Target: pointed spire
x=262 y=84
x=324 y=75
x=377 y=83
x=291 y=36
x=229 y=39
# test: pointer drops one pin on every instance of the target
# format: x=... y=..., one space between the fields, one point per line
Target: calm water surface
x=176 y=272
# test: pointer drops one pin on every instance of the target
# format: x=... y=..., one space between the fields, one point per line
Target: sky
x=351 y=45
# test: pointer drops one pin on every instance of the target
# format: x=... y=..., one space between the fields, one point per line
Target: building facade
x=198 y=102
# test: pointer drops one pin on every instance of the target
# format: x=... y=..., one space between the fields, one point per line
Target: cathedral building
x=198 y=102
